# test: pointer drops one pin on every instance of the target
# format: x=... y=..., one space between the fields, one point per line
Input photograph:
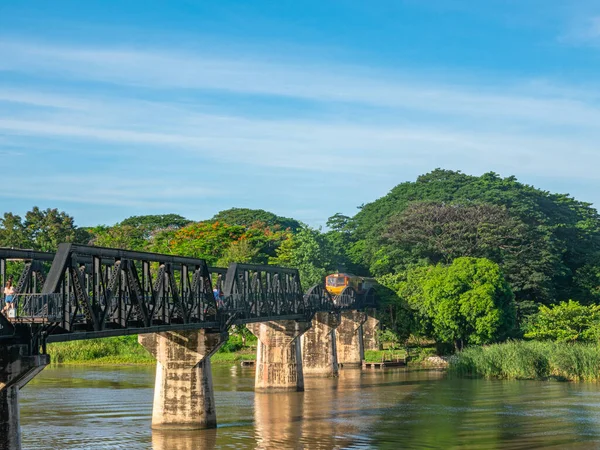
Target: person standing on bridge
x=9 y=290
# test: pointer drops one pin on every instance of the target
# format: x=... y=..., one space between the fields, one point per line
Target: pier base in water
x=319 y=355
x=278 y=355
x=183 y=391
x=17 y=368
x=349 y=339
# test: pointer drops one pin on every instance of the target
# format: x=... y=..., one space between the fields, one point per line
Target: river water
x=110 y=408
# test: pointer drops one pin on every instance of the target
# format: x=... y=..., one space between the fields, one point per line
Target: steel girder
x=96 y=292
x=111 y=289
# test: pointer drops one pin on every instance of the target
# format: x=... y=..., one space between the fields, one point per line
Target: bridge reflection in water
x=89 y=411
x=392 y=408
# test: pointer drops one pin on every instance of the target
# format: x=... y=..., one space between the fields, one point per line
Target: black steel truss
x=95 y=292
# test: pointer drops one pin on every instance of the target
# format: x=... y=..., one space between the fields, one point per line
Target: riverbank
x=126 y=350
x=122 y=350
x=529 y=360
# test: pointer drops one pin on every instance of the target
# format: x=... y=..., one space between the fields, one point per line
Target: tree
x=155 y=222
x=127 y=237
x=439 y=233
x=241 y=251
x=339 y=241
x=221 y=243
x=247 y=217
x=50 y=227
x=467 y=302
x=393 y=310
x=13 y=232
x=204 y=240
x=566 y=322
x=306 y=251
x=568 y=229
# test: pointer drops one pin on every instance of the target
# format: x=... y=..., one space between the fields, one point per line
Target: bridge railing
x=36 y=308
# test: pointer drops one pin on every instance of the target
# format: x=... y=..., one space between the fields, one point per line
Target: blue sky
x=110 y=109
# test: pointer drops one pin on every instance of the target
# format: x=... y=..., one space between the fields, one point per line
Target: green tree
x=126 y=237
x=48 y=228
x=221 y=243
x=13 y=232
x=306 y=251
x=339 y=241
x=392 y=309
x=241 y=251
x=467 y=302
x=151 y=223
x=568 y=230
x=247 y=217
x=566 y=322
x=438 y=232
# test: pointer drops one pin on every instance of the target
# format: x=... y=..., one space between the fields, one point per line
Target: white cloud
x=333 y=83
x=586 y=32
x=108 y=190
x=365 y=124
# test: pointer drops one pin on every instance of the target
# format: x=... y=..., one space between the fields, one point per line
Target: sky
x=110 y=109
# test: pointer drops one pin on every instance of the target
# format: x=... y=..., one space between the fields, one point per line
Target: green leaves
x=41 y=230
x=542 y=241
x=468 y=301
x=306 y=251
x=566 y=322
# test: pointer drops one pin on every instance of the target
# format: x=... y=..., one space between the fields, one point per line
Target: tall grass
x=126 y=350
x=122 y=349
x=529 y=360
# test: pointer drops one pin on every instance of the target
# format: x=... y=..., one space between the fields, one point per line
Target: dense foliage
x=460 y=259
x=466 y=302
x=522 y=360
x=546 y=244
x=246 y=217
x=566 y=322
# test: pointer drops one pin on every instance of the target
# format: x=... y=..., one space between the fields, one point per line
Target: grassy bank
x=124 y=350
x=117 y=350
x=530 y=360
x=384 y=355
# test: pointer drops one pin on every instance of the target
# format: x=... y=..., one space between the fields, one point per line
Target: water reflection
x=277 y=418
x=107 y=408
x=184 y=440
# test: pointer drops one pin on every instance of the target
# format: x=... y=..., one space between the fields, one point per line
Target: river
x=111 y=407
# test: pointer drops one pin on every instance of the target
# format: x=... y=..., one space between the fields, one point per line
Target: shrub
x=566 y=322
x=532 y=360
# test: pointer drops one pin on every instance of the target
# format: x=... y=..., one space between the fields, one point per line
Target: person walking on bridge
x=9 y=290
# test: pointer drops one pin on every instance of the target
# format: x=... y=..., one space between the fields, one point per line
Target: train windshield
x=336 y=281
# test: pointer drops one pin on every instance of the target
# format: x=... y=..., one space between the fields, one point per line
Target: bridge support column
x=349 y=339
x=319 y=355
x=370 y=328
x=183 y=391
x=278 y=355
x=17 y=368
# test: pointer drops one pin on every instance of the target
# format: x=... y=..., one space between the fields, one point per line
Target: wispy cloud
x=118 y=112
x=583 y=32
x=332 y=83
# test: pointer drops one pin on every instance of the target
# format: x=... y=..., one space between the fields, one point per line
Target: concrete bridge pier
x=349 y=339
x=183 y=391
x=17 y=368
x=370 y=328
x=319 y=354
x=278 y=355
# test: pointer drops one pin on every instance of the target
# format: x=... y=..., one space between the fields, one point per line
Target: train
x=337 y=282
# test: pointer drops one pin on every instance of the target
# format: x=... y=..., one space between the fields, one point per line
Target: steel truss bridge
x=83 y=292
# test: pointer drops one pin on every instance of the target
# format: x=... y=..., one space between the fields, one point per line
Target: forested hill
x=546 y=245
